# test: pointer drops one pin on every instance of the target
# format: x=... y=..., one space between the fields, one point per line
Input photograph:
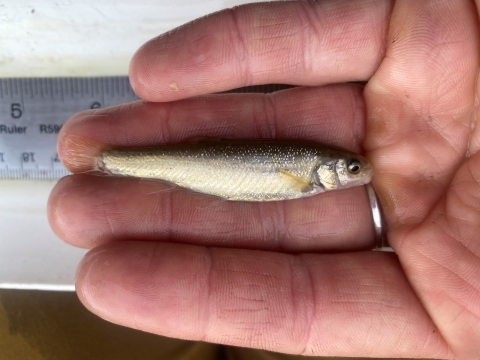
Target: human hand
x=171 y=264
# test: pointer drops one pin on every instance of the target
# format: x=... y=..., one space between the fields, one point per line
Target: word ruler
x=32 y=112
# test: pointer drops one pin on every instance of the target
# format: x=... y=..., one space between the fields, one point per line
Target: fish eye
x=353 y=166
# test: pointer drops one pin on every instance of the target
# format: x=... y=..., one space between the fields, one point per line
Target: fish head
x=342 y=171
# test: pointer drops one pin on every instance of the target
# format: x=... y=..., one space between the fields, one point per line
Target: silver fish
x=243 y=170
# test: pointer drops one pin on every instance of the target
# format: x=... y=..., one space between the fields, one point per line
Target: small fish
x=243 y=170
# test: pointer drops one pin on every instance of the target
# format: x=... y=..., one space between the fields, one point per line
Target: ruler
x=32 y=112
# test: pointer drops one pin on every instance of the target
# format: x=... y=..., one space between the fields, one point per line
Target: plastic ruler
x=32 y=112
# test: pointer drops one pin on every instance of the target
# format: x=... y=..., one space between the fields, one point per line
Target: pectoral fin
x=297 y=182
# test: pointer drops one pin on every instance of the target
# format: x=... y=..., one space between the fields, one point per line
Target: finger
x=295 y=42
x=115 y=209
x=87 y=211
x=356 y=304
x=333 y=115
x=422 y=100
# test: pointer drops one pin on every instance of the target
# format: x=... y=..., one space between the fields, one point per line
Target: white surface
x=68 y=38
x=31 y=256
x=89 y=37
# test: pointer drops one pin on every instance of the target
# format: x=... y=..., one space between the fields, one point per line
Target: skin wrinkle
x=265 y=225
x=276 y=37
x=307 y=348
x=473 y=122
x=404 y=334
x=270 y=117
x=128 y=140
x=165 y=130
x=242 y=53
x=430 y=152
x=476 y=216
x=310 y=31
x=153 y=257
x=427 y=340
x=452 y=321
x=253 y=272
x=274 y=69
x=452 y=272
x=207 y=296
x=462 y=81
x=475 y=178
x=168 y=204
x=359 y=121
x=109 y=223
x=439 y=131
x=434 y=172
x=457 y=240
x=280 y=226
x=291 y=286
x=443 y=184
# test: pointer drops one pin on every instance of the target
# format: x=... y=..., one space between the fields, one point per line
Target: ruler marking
x=9 y=87
x=69 y=92
x=48 y=88
x=105 y=85
x=91 y=87
x=30 y=153
x=40 y=88
x=43 y=90
x=65 y=87
x=27 y=92
x=12 y=87
x=54 y=87
x=84 y=87
x=123 y=82
x=62 y=91
x=21 y=84
x=34 y=87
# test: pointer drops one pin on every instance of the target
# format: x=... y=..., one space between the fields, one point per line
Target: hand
x=178 y=264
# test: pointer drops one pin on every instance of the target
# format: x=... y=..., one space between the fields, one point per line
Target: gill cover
x=325 y=174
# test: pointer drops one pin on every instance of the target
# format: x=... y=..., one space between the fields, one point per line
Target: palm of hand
x=419 y=125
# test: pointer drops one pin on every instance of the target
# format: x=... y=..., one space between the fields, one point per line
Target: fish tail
x=100 y=165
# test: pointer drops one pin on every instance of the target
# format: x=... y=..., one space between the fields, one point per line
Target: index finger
x=294 y=42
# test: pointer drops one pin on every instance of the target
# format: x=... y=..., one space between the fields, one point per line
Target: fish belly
x=231 y=178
